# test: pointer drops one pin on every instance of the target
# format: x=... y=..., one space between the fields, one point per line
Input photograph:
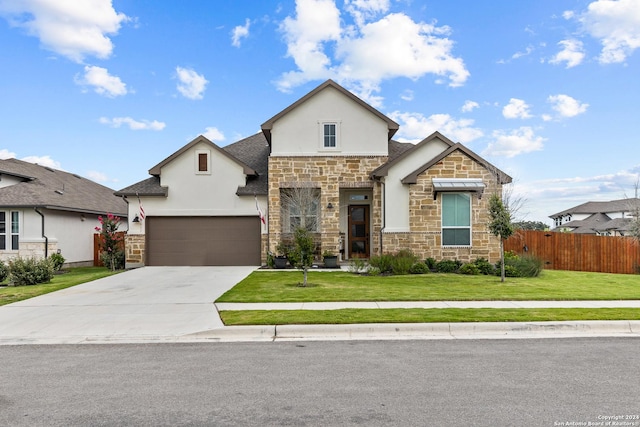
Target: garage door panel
x=203 y=240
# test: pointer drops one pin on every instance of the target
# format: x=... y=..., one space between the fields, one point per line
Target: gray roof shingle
x=55 y=189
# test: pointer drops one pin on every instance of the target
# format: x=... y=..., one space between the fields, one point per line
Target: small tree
x=301 y=257
x=500 y=226
x=112 y=255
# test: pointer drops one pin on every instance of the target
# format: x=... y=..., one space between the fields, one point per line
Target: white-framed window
x=456 y=219
x=329 y=135
x=203 y=162
x=300 y=208
x=10 y=231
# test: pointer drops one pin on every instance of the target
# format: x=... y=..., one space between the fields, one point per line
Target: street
x=545 y=382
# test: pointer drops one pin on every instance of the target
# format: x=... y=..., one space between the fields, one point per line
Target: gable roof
x=383 y=170
x=588 y=225
x=156 y=169
x=45 y=187
x=268 y=125
x=620 y=205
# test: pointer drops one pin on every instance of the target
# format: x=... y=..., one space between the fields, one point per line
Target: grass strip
x=420 y=315
x=278 y=286
x=70 y=277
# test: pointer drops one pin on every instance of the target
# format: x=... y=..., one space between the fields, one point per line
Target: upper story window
x=456 y=219
x=329 y=135
x=203 y=162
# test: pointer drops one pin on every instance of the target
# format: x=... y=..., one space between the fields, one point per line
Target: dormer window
x=203 y=162
x=329 y=135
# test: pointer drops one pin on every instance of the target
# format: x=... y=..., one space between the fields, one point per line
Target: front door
x=358 y=231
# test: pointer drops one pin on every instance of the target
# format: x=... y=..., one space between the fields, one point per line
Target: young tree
x=301 y=206
x=500 y=225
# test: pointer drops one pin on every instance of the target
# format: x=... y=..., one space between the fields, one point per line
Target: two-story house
x=206 y=205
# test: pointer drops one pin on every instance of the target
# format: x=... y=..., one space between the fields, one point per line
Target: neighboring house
x=373 y=194
x=45 y=210
x=611 y=218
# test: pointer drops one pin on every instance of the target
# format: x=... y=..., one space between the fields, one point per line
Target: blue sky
x=547 y=90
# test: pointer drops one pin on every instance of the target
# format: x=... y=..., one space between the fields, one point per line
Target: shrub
x=112 y=255
x=357 y=265
x=470 y=269
x=4 y=271
x=29 y=271
x=402 y=262
x=57 y=261
x=431 y=263
x=510 y=271
x=527 y=266
x=448 y=266
x=484 y=266
x=383 y=262
x=373 y=271
x=419 y=268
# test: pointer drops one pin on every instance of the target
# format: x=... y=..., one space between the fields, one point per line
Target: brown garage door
x=202 y=240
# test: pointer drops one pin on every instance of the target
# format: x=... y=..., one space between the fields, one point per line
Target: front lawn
x=278 y=286
x=71 y=277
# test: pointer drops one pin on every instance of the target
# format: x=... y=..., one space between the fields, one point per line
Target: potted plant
x=280 y=260
x=330 y=259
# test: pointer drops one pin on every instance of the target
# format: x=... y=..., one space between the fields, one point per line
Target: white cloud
x=213 y=134
x=572 y=53
x=191 y=84
x=511 y=144
x=566 y=106
x=116 y=122
x=70 y=28
x=414 y=127
x=516 y=109
x=469 y=106
x=361 y=56
x=616 y=24
x=6 y=154
x=103 y=83
x=407 y=95
x=43 y=161
x=240 y=32
x=97 y=176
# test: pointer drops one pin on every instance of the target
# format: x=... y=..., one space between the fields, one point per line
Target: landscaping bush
x=470 y=269
x=383 y=262
x=517 y=266
x=373 y=271
x=419 y=268
x=448 y=266
x=431 y=263
x=510 y=271
x=4 y=271
x=402 y=262
x=357 y=265
x=57 y=261
x=485 y=266
x=29 y=271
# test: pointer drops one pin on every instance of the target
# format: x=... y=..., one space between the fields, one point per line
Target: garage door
x=202 y=241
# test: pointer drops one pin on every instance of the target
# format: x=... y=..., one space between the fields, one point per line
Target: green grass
x=411 y=315
x=275 y=286
x=71 y=277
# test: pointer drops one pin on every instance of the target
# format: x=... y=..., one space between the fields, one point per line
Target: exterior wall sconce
x=136 y=219
x=330 y=205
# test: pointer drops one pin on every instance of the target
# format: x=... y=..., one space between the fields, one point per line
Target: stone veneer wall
x=330 y=174
x=425 y=213
x=134 y=249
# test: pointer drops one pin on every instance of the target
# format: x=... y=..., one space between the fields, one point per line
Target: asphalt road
x=547 y=382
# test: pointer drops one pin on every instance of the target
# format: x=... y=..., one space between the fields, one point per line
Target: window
x=300 y=208
x=3 y=231
x=15 y=230
x=203 y=162
x=456 y=219
x=330 y=135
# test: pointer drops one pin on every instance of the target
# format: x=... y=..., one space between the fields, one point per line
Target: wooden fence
x=96 y=246
x=578 y=252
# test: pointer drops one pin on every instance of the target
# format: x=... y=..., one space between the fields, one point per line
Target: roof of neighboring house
x=268 y=125
x=588 y=225
x=617 y=224
x=621 y=205
x=45 y=187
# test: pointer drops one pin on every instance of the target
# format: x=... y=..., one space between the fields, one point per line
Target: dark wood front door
x=358 y=231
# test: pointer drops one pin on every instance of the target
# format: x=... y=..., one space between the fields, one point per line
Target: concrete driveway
x=150 y=303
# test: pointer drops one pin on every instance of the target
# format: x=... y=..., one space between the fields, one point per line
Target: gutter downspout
x=384 y=213
x=46 y=239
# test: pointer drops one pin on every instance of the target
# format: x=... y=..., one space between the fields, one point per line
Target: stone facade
x=31 y=249
x=134 y=249
x=329 y=174
x=425 y=236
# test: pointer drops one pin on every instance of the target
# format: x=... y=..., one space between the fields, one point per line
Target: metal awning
x=441 y=185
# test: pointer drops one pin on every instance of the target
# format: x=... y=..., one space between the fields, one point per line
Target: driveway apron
x=141 y=304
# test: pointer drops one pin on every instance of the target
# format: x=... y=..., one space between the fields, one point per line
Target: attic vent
x=59 y=192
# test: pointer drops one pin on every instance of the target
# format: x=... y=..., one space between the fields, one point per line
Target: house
x=204 y=204
x=612 y=218
x=45 y=210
